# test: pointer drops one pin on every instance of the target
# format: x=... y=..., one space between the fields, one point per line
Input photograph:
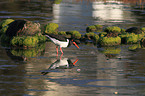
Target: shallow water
x=105 y=71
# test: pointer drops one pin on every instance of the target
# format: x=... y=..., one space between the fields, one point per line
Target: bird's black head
x=74 y=42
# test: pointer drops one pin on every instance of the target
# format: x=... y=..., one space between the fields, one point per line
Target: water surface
x=105 y=71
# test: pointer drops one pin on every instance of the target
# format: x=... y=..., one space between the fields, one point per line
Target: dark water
x=105 y=71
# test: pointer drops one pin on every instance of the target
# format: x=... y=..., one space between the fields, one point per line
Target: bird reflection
x=64 y=63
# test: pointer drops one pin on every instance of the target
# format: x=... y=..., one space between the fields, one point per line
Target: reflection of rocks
x=24 y=54
x=111 y=52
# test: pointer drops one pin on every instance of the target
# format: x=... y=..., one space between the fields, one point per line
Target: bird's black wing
x=58 y=37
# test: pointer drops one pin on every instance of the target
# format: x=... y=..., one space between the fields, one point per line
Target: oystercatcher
x=61 y=41
x=64 y=63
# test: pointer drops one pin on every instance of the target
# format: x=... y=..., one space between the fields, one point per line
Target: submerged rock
x=135 y=30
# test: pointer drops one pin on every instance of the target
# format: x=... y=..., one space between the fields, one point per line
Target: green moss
x=112 y=29
x=98 y=26
x=17 y=41
x=57 y=1
x=110 y=41
x=140 y=36
x=51 y=28
x=41 y=38
x=25 y=41
x=62 y=33
x=92 y=36
x=131 y=38
x=3 y=30
x=5 y=22
x=91 y=28
x=30 y=41
x=123 y=31
x=102 y=34
x=143 y=29
x=74 y=34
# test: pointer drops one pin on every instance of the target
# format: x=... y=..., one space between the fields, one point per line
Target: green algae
x=110 y=41
x=51 y=28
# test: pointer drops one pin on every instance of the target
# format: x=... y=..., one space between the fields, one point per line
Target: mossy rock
x=74 y=34
x=41 y=38
x=23 y=28
x=131 y=38
x=30 y=29
x=123 y=31
x=92 y=36
x=143 y=29
x=142 y=42
x=3 y=30
x=135 y=30
x=5 y=22
x=4 y=25
x=98 y=27
x=51 y=28
x=112 y=31
x=30 y=41
x=62 y=33
x=102 y=34
x=57 y=1
x=110 y=41
x=94 y=28
x=27 y=41
x=91 y=28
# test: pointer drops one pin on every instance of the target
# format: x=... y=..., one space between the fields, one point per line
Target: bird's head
x=74 y=42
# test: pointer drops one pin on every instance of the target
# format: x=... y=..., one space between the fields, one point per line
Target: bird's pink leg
x=57 y=50
x=61 y=56
x=61 y=50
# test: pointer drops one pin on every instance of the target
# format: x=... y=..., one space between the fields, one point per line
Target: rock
x=135 y=30
x=112 y=31
x=110 y=41
x=51 y=28
x=23 y=28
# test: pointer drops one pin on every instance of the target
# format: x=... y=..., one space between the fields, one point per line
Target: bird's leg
x=61 y=50
x=57 y=50
x=61 y=56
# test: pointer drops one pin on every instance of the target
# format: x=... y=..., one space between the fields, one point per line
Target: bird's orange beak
x=76 y=45
x=75 y=62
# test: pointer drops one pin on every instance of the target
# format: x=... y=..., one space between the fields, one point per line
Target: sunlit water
x=105 y=71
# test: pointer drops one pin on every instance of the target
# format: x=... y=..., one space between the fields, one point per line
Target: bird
x=61 y=41
x=64 y=63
